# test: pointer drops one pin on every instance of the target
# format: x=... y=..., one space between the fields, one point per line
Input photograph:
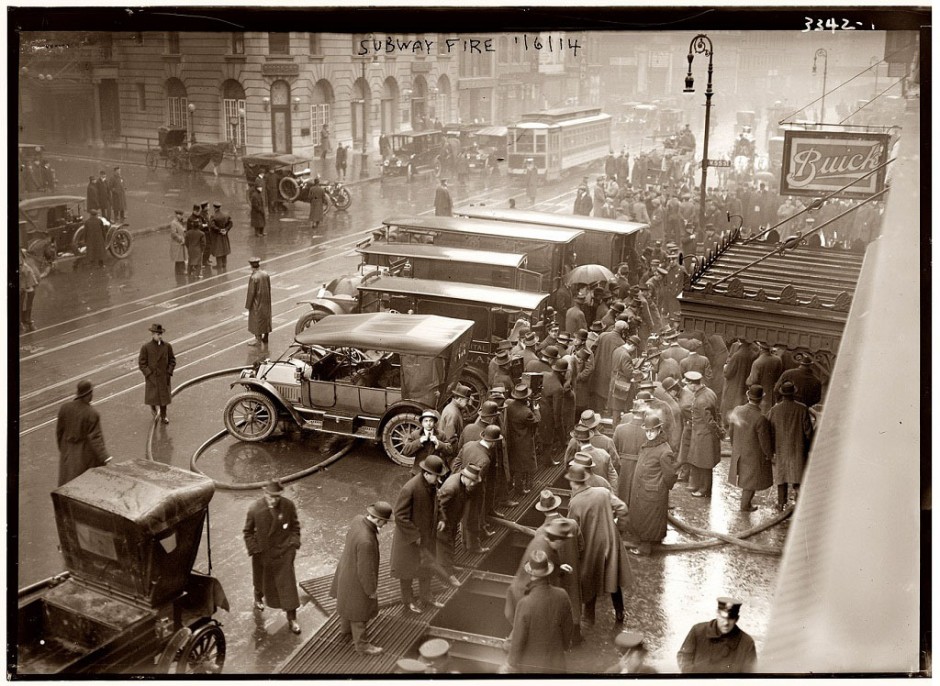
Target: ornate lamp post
x=821 y=52
x=702 y=45
x=192 y=129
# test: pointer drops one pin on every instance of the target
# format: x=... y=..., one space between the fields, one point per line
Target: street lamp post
x=192 y=127
x=702 y=45
x=821 y=52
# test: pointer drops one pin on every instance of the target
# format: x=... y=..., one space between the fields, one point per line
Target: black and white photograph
x=469 y=341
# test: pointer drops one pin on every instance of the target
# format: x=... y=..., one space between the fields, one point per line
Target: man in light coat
x=178 y=243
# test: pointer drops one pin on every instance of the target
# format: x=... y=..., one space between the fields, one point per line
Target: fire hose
x=249 y=486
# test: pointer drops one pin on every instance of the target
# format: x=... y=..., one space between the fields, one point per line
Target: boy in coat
x=157 y=362
x=751 y=449
x=426 y=441
x=272 y=537
x=355 y=584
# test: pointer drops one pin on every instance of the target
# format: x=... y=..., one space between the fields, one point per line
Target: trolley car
x=130 y=602
x=559 y=140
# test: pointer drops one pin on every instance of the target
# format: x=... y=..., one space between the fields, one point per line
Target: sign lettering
x=817 y=163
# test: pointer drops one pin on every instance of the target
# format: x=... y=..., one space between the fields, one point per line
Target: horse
x=200 y=154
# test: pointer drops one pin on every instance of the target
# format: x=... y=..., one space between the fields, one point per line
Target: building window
x=234 y=113
x=173 y=42
x=278 y=43
x=238 y=43
x=176 y=110
x=315 y=47
x=141 y=98
x=319 y=115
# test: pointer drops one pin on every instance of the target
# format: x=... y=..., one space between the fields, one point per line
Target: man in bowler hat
x=272 y=536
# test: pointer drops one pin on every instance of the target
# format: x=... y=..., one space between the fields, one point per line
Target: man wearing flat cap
x=356 y=581
x=751 y=449
x=79 y=436
x=272 y=537
x=718 y=646
x=157 y=362
x=220 y=224
x=414 y=546
x=258 y=303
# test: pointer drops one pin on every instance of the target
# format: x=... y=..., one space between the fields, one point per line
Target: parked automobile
x=52 y=227
x=365 y=376
x=411 y=153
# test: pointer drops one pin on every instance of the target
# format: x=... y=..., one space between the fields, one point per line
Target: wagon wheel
x=250 y=416
x=153 y=156
x=120 y=244
x=205 y=652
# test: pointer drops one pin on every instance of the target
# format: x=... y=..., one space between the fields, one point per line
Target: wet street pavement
x=91 y=323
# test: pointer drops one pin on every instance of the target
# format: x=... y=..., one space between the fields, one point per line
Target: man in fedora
x=453 y=498
x=428 y=440
x=258 y=303
x=719 y=645
x=603 y=460
x=414 y=546
x=497 y=474
x=480 y=454
x=791 y=431
x=751 y=448
x=807 y=387
x=765 y=371
x=629 y=437
x=542 y=629
x=584 y=364
x=603 y=351
x=587 y=463
x=79 y=436
x=529 y=343
x=591 y=420
x=498 y=373
x=736 y=371
x=272 y=537
x=654 y=477
x=605 y=567
x=157 y=362
x=574 y=317
x=522 y=421
x=452 y=421
x=356 y=581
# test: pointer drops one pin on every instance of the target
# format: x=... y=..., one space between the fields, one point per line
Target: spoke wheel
x=343 y=199
x=250 y=416
x=396 y=432
x=120 y=245
x=205 y=652
x=478 y=391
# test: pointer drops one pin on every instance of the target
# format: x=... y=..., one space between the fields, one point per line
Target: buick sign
x=818 y=163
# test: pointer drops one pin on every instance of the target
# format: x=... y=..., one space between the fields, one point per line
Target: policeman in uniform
x=719 y=645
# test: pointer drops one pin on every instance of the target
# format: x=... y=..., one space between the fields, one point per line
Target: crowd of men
x=198 y=238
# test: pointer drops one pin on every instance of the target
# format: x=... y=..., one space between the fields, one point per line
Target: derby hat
x=521 y=392
x=787 y=389
x=755 y=392
x=576 y=474
x=550 y=353
x=652 y=421
x=618 y=306
x=489 y=408
x=273 y=487
x=84 y=388
x=590 y=419
x=583 y=333
x=433 y=464
x=433 y=414
x=381 y=509
x=560 y=365
x=156 y=328
x=538 y=564
x=548 y=501
x=492 y=433
x=669 y=383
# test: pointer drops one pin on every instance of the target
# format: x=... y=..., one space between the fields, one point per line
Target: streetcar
x=559 y=140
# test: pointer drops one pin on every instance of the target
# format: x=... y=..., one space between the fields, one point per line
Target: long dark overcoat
x=258 y=302
x=629 y=437
x=157 y=362
x=736 y=372
x=542 y=630
x=91 y=196
x=118 y=194
x=220 y=225
x=521 y=580
x=357 y=574
x=765 y=371
x=272 y=537
x=603 y=351
x=654 y=477
x=78 y=435
x=95 y=246
x=704 y=444
x=257 y=209
x=751 y=449
x=790 y=431
x=521 y=425
x=415 y=519
x=808 y=386
x=604 y=563
x=195 y=241
x=104 y=194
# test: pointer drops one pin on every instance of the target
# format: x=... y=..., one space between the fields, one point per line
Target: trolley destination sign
x=817 y=163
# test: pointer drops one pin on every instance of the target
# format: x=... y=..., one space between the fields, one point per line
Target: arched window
x=390 y=115
x=281 y=134
x=321 y=109
x=175 y=102
x=233 y=112
x=442 y=104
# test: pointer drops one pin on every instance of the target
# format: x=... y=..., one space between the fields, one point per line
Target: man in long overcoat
x=272 y=537
x=521 y=424
x=603 y=352
x=604 y=564
x=426 y=441
x=103 y=194
x=220 y=223
x=157 y=362
x=258 y=303
x=791 y=432
x=452 y=501
x=654 y=477
x=736 y=372
x=807 y=387
x=257 y=210
x=494 y=478
x=765 y=371
x=118 y=194
x=91 y=195
x=701 y=436
x=629 y=436
x=318 y=202
x=452 y=421
x=414 y=545
x=719 y=645
x=94 y=239
x=479 y=454
x=751 y=449
x=78 y=435
x=443 y=203
x=541 y=541
x=542 y=630
x=356 y=581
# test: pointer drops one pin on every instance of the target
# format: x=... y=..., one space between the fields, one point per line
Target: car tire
x=250 y=416
x=394 y=433
x=343 y=199
x=289 y=188
x=308 y=319
x=121 y=244
x=478 y=389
